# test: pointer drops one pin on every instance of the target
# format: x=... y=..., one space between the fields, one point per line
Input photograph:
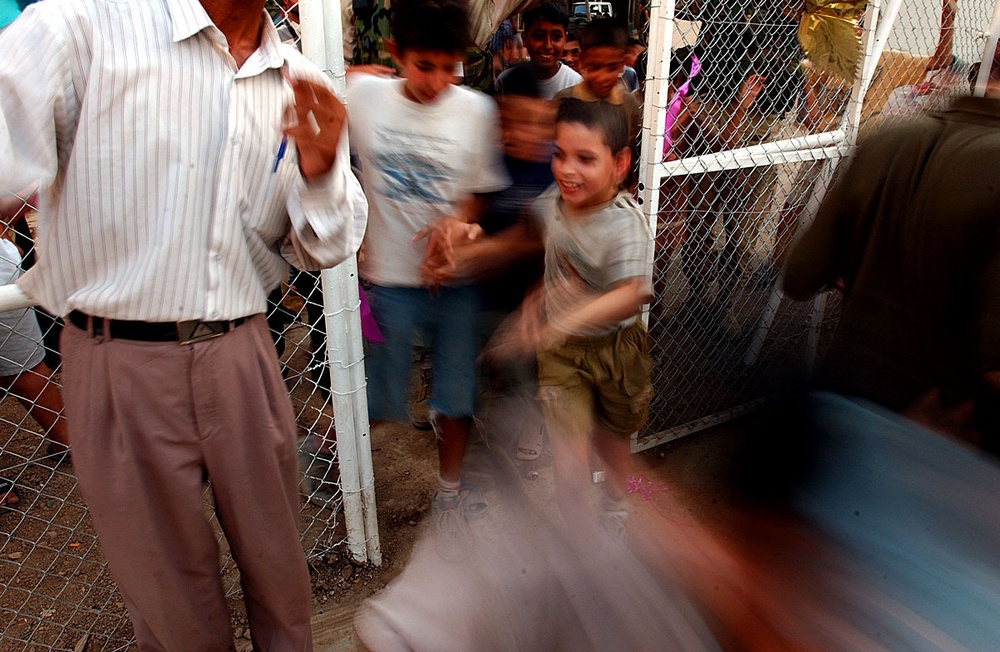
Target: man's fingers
x=316 y=105
x=310 y=93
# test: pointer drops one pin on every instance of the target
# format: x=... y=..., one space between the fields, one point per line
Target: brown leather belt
x=182 y=332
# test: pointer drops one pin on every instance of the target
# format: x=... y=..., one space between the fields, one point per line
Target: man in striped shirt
x=172 y=201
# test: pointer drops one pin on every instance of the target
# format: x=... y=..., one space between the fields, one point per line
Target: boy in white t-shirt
x=427 y=149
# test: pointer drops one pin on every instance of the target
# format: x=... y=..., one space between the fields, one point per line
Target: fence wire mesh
x=722 y=337
x=55 y=588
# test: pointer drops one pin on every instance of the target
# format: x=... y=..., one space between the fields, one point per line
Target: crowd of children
x=474 y=212
x=462 y=218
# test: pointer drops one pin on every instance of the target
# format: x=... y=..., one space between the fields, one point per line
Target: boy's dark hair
x=521 y=80
x=550 y=12
x=608 y=119
x=604 y=32
x=431 y=25
x=573 y=34
x=634 y=40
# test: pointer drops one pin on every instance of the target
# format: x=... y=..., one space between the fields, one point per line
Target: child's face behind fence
x=587 y=171
x=427 y=72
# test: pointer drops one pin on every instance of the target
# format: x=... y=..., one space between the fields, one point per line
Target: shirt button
x=215 y=313
x=218 y=256
x=236 y=140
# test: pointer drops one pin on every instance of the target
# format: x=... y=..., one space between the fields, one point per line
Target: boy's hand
x=439 y=263
x=319 y=121
x=535 y=331
x=520 y=335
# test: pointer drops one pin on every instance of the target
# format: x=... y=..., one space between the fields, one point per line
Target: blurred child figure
x=518 y=53
x=501 y=47
x=601 y=62
x=545 y=30
x=631 y=74
x=593 y=358
x=571 y=50
x=427 y=149
x=507 y=262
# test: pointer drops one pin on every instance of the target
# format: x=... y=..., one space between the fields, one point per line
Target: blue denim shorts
x=446 y=324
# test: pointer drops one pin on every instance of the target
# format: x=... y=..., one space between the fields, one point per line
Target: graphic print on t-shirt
x=412 y=166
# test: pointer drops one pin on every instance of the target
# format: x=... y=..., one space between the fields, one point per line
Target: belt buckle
x=195 y=330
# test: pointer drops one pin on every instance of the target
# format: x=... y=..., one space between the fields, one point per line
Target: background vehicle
x=583 y=12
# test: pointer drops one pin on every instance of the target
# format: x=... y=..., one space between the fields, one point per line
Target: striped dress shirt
x=163 y=196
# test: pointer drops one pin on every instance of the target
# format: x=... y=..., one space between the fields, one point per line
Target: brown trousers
x=147 y=421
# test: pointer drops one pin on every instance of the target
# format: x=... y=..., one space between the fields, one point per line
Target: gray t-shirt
x=590 y=254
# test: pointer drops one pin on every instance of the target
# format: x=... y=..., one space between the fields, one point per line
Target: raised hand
x=319 y=121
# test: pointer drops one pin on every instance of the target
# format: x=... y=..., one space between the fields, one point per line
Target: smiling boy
x=427 y=148
x=593 y=358
x=571 y=50
x=544 y=36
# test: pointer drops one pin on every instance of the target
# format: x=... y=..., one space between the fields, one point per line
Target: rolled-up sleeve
x=34 y=115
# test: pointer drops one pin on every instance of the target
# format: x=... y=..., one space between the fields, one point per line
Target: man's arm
x=815 y=260
x=817 y=257
x=327 y=208
x=36 y=102
x=946 y=38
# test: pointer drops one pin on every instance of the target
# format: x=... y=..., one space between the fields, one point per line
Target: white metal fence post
x=322 y=44
x=988 y=52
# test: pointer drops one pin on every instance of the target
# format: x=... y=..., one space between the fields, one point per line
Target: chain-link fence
x=55 y=588
x=742 y=135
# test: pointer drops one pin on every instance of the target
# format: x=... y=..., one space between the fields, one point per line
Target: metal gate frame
x=830 y=147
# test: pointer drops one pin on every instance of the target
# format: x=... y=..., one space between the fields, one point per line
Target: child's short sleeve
x=628 y=256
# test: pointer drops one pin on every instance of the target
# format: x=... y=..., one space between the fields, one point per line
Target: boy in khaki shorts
x=593 y=358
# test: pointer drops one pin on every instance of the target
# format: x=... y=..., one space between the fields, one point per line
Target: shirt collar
x=189 y=18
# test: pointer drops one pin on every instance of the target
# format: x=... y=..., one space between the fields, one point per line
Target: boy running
x=593 y=359
x=427 y=148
